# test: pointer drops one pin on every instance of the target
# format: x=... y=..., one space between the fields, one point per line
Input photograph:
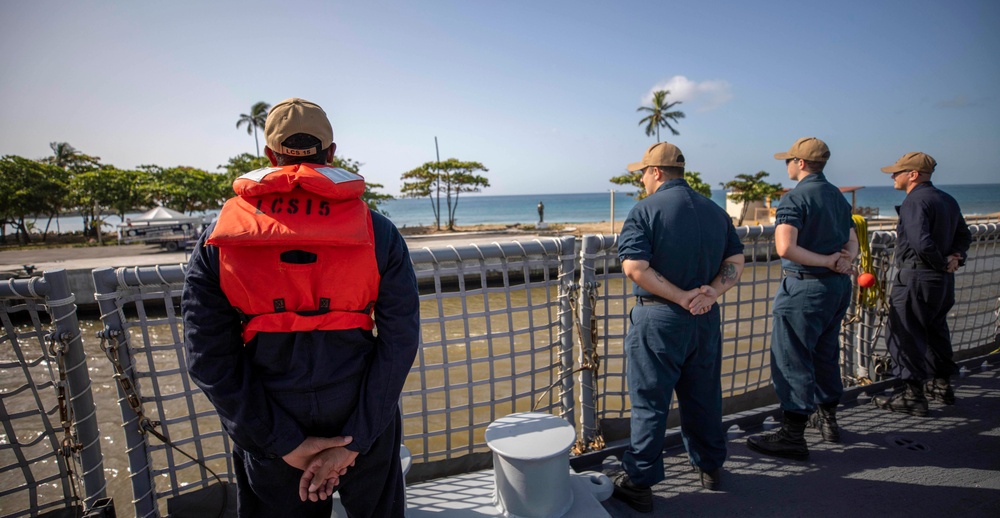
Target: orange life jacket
x=297 y=250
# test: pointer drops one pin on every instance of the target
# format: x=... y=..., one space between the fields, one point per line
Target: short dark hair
x=301 y=141
x=814 y=167
x=671 y=171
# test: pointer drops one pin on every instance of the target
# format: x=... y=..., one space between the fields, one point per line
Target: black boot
x=910 y=401
x=637 y=497
x=825 y=420
x=711 y=480
x=787 y=441
x=940 y=389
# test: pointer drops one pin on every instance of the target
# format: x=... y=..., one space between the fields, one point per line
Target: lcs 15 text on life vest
x=307 y=206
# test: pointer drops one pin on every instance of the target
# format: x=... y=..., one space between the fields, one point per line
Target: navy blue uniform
x=930 y=229
x=685 y=237
x=280 y=388
x=811 y=301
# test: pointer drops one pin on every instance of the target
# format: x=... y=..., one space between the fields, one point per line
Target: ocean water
x=591 y=207
x=594 y=207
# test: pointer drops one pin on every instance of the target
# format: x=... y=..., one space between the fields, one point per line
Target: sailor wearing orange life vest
x=279 y=304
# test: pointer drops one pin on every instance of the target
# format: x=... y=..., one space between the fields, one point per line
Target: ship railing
x=496 y=338
x=50 y=439
x=180 y=459
x=606 y=299
x=973 y=321
x=506 y=327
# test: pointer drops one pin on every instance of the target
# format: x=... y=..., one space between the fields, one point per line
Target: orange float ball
x=866 y=280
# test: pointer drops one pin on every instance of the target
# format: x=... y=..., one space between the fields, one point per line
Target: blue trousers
x=668 y=350
x=372 y=488
x=805 y=341
x=918 y=337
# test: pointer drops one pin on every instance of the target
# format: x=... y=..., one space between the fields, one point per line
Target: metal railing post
x=60 y=301
x=588 y=280
x=567 y=291
x=143 y=497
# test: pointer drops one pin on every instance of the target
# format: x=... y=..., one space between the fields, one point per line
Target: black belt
x=650 y=300
x=808 y=275
x=914 y=266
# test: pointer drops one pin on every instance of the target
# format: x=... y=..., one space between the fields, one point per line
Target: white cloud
x=704 y=96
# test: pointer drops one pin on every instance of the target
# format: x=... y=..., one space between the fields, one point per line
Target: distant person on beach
x=682 y=253
x=279 y=304
x=932 y=239
x=814 y=235
x=541 y=212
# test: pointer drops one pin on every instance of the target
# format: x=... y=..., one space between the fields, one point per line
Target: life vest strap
x=290 y=321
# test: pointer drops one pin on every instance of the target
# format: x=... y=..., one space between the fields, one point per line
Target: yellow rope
x=868 y=297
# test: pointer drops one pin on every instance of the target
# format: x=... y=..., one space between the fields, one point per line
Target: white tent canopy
x=161 y=215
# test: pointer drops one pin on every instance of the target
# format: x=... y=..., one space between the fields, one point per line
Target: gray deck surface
x=888 y=464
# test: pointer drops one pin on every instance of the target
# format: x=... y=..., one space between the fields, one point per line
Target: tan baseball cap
x=915 y=161
x=293 y=116
x=662 y=154
x=807 y=148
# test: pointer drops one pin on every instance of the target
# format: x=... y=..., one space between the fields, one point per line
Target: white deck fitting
x=470 y=495
x=531 y=477
x=531 y=464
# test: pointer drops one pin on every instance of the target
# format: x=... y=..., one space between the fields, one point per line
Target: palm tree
x=63 y=154
x=658 y=114
x=71 y=159
x=256 y=119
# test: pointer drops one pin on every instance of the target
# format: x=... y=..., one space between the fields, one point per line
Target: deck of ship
x=888 y=464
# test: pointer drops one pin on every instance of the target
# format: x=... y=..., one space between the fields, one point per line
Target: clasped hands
x=323 y=460
x=840 y=262
x=953 y=261
x=699 y=300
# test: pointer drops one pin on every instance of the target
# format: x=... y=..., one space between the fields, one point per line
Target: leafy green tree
x=253 y=120
x=125 y=191
x=424 y=181
x=451 y=177
x=89 y=196
x=693 y=178
x=109 y=189
x=74 y=162
x=29 y=188
x=70 y=159
x=659 y=114
x=185 y=189
x=747 y=189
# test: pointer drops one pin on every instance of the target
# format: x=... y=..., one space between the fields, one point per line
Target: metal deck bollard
x=531 y=464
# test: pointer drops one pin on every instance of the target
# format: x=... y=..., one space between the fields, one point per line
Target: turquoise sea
x=593 y=207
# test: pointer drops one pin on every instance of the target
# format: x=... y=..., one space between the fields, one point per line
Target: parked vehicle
x=168 y=228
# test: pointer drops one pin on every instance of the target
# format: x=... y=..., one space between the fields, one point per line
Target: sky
x=542 y=93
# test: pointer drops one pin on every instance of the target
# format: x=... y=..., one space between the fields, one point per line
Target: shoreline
x=76 y=241
x=63 y=247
